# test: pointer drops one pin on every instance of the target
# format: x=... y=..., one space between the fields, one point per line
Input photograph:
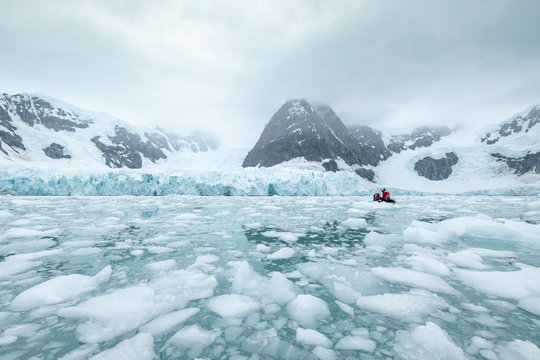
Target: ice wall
x=207 y=183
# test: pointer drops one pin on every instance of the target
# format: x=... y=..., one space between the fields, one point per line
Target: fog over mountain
x=224 y=67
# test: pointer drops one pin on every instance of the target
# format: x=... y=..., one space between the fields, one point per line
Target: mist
x=226 y=67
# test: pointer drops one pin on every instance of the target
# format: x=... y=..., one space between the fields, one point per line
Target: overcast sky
x=227 y=66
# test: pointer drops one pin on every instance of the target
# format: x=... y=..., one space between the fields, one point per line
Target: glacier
x=431 y=277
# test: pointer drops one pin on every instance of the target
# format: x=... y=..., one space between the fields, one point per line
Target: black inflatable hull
x=388 y=201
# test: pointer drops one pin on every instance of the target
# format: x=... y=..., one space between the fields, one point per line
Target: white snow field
x=185 y=277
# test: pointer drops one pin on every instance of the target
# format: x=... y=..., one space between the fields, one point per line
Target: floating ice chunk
x=139 y=347
x=355 y=223
x=206 y=259
x=13 y=266
x=426 y=263
x=411 y=306
x=112 y=314
x=478 y=343
x=283 y=253
x=277 y=289
x=137 y=252
x=517 y=285
x=262 y=248
x=324 y=353
x=15 y=233
x=420 y=235
x=7 y=339
x=233 y=305
x=312 y=337
x=308 y=310
x=345 y=308
x=518 y=350
x=531 y=305
x=22 y=330
x=282 y=235
x=427 y=342
x=80 y=353
x=59 y=289
x=345 y=282
x=414 y=279
x=467 y=258
x=176 y=288
x=165 y=322
x=161 y=265
x=194 y=338
x=375 y=238
x=355 y=342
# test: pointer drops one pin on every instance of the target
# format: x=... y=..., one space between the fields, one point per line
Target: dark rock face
x=34 y=110
x=436 y=169
x=421 y=137
x=127 y=149
x=522 y=165
x=8 y=135
x=367 y=174
x=56 y=151
x=298 y=129
x=516 y=125
x=371 y=144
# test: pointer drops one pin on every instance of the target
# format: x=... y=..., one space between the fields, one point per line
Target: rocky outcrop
x=421 y=137
x=8 y=134
x=518 y=124
x=34 y=110
x=436 y=169
x=297 y=130
x=56 y=151
x=127 y=149
x=522 y=165
x=371 y=144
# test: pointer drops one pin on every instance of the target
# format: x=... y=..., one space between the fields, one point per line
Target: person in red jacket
x=385 y=194
x=377 y=197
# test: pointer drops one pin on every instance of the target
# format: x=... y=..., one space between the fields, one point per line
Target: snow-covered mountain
x=35 y=128
x=299 y=130
x=434 y=159
x=314 y=133
x=51 y=148
x=516 y=142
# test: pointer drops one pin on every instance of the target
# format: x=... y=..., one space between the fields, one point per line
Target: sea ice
x=312 y=337
x=59 y=289
x=411 y=306
x=139 y=347
x=517 y=285
x=531 y=305
x=414 y=279
x=355 y=342
x=427 y=342
x=165 y=322
x=194 y=339
x=355 y=223
x=233 y=305
x=283 y=253
x=308 y=310
x=112 y=314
